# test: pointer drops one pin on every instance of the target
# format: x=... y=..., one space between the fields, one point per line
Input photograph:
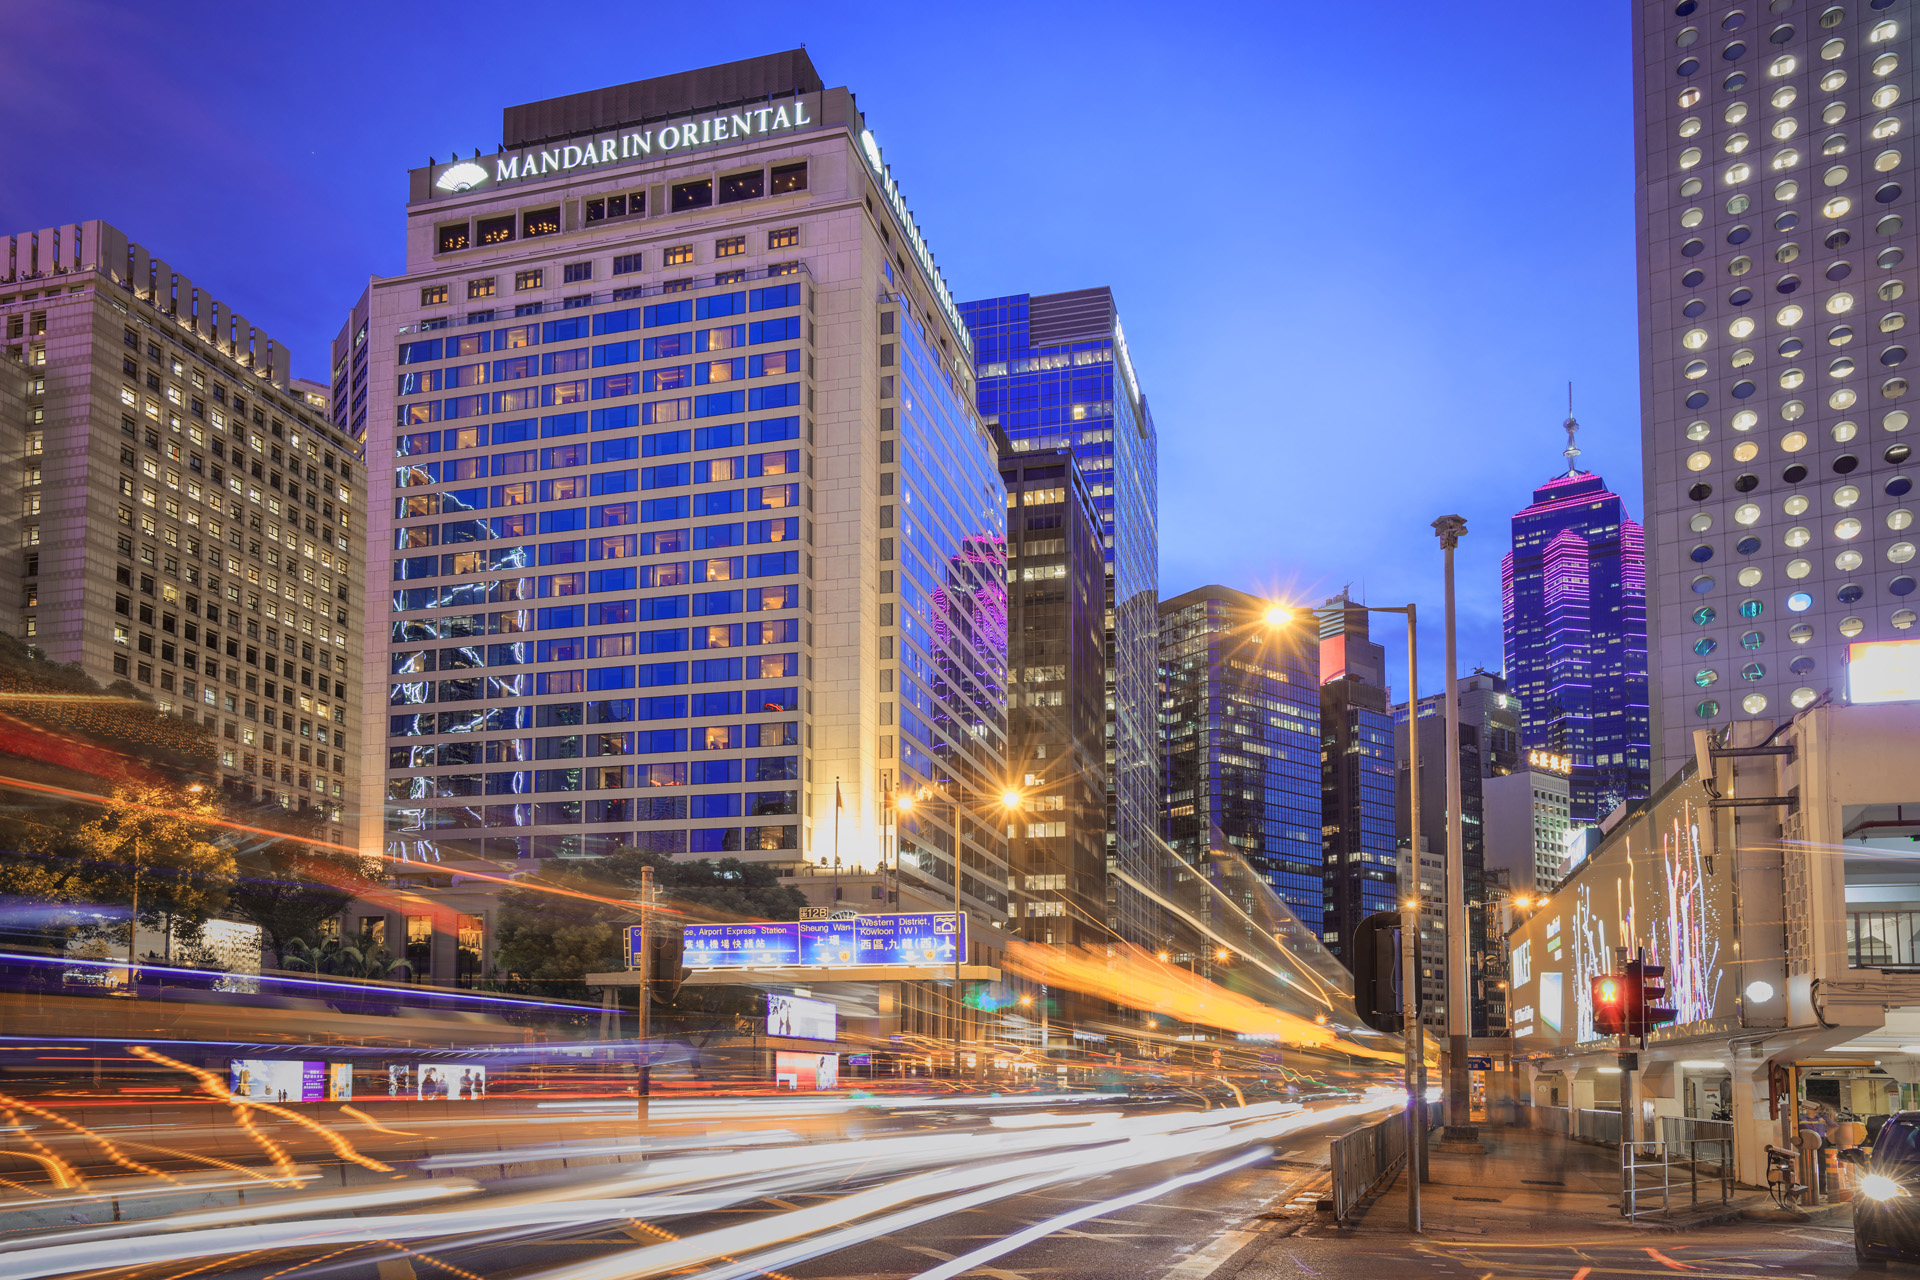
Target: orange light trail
x=112 y=1149
x=230 y=825
x=341 y=1147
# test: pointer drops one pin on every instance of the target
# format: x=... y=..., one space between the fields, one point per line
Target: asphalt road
x=1150 y=1193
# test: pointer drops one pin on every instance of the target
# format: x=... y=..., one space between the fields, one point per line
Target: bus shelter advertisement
x=1646 y=886
x=928 y=939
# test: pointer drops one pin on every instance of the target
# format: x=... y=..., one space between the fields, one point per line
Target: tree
x=548 y=942
x=151 y=837
x=337 y=959
x=288 y=888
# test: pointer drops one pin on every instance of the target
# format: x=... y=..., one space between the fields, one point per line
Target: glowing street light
x=1011 y=799
x=1277 y=615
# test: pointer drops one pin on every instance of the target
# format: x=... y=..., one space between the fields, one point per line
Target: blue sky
x=1359 y=254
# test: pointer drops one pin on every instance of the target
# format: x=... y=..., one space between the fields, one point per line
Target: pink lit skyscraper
x=1575 y=636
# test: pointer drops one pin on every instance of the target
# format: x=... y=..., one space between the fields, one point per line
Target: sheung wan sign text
x=629 y=144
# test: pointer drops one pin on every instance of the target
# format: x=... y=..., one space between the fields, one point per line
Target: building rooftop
x=729 y=83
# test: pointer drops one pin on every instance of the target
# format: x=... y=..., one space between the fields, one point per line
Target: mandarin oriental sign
x=628 y=144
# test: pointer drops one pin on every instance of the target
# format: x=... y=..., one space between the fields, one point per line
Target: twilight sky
x=1358 y=254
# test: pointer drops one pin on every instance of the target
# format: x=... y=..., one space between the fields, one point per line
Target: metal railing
x=1883 y=939
x=1601 y=1126
x=1647 y=1168
x=1362 y=1160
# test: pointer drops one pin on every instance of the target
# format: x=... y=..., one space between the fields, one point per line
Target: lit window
x=1690 y=157
x=677 y=256
x=1738 y=173
x=1697 y=369
x=1800 y=633
x=1786 y=95
x=1689 y=98
x=1694 y=339
x=1705 y=676
x=1754 y=703
x=1785 y=128
x=1749 y=577
x=1900 y=552
x=1837 y=207
x=1845 y=496
x=1746 y=513
x=1884 y=65
x=730 y=247
x=1833 y=80
x=1745 y=420
x=1886 y=95
x=1892 y=321
x=1802 y=697
x=1783 y=66
x=1786 y=190
x=1895 y=421
x=1851 y=627
x=1849 y=560
x=433 y=295
x=1846 y=528
x=1883 y=32
x=1793 y=442
x=480 y=288
x=1746 y=451
x=1700 y=522
x=1886 y=161
x=1899 y=519
x=1839 y=304
x=1737 y=143
x=1798 y=569
x=1699 y=460
x=1904 y=618
x=1791 y=378
x=1843 y=398
x=1698 y=430
x=1690 y=126
x=529 y=279
x=1800 y=602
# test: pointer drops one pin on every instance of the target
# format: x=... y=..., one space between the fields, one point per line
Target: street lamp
x=1413 y=1035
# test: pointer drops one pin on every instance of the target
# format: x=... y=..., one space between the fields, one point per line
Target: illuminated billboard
x=1883 y=671
x=806 y=1072
x=1645 y=885
x=273 y=1080
x=802 y=1018
x=926 y=939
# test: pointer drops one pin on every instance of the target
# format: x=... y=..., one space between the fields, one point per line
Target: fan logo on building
x=464 y=176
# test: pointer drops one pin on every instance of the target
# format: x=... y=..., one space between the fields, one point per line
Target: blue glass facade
x=1575 y=639
x=1054 y=372
x=1240 y=726
x=1358 y=838
x=948 y=549
x=597 y=599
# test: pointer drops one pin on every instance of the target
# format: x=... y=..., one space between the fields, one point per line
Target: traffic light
x=1376 y=971
x=1610 y=1005
x=1647 y=986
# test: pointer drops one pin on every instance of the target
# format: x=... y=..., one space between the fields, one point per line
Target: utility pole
x=1458 y=944
x=645 y=1020
x=1413 y=1036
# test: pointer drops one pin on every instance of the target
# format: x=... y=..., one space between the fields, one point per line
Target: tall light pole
x=1413 y=1036
x=1458 y=944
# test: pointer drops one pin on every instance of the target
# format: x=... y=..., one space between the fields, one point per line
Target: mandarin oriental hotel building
x=697 y=543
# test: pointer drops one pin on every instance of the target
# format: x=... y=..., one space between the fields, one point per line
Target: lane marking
x=972 y=1261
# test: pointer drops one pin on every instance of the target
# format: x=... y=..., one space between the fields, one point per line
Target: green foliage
x=334 y=958
x=79 y=712
x=547 y=942
x=288 y=888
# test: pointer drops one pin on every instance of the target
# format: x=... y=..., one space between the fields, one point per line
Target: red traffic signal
x=1610 y=1005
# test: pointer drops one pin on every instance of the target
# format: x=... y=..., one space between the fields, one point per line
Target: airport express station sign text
x=934 y=938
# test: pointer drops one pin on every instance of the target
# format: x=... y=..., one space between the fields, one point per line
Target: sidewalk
x=1527 y=1181
x=1535 y=1203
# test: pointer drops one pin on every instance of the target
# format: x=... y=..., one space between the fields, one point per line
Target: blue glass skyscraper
x=1054 y=373
x=1240 y=732
x=1575 y=636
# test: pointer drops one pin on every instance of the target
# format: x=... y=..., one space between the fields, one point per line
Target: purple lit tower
x=1575 y=606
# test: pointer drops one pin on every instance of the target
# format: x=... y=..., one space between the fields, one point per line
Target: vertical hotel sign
x=698 y=131
x=870 y=148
